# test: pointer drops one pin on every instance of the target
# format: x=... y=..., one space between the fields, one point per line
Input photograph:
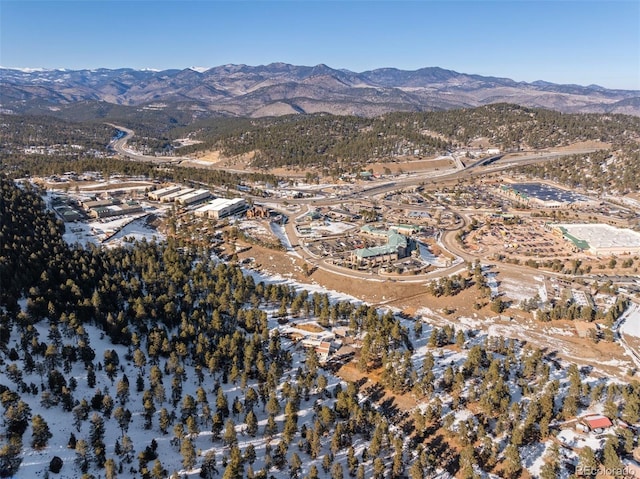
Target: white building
x=222 y=207
x=601 y=239
x=157 y=194
x=176 y=194
x=193 y=197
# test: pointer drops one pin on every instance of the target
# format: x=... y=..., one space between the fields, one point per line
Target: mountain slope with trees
x=349 y=141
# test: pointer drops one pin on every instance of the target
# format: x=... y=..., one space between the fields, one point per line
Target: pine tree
x=10 y=458
x=110 y=469
x=188 y=453
x=208 y=470
x=230 y=437
x=82 y=455
x=313 y=472
x=295 y=466
x=352 y=461
x=41 y=433
x=250 y=454
x=337 y=471
x=378 y=468
x=164 y=421
x=513 y=462
x=252 y=423
x=157 y=471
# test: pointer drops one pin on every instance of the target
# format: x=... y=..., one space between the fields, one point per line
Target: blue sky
x=582 y=42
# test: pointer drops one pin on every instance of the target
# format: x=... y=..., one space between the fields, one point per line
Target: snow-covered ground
x=279 y=231
x=136 y=230
x=492 y=282
x=631 y=324
x=332 y=227
x=427 y=256
x=575 y=439
x=253 y=227
x=334 y=296
x=519 y=290
x=111 y=232
x=36 y=462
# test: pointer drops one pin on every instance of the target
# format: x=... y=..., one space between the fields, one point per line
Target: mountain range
x=280 y=88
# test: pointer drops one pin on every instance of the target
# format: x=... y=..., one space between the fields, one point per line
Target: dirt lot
x=411 y=165
x=215 y=159
x=349 y=372
x=529 y=239
x=90 y=186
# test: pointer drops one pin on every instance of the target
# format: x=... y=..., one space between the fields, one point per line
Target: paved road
x=120 y=147
x=486 y=165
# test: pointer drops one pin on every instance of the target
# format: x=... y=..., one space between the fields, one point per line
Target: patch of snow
x=631 y=321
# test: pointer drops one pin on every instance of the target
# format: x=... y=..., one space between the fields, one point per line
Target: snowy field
x=631 y=324
x=602 y=236
x=110 y=232
x=279 y=231
x=331 y=227
x=522 y=291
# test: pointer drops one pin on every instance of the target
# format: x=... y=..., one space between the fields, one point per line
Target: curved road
x=120 y=146
x=488 y=165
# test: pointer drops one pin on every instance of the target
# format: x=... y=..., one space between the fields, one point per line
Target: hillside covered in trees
x=161 y=359
x=336 y=143
x=325 y=140
x=614 y=172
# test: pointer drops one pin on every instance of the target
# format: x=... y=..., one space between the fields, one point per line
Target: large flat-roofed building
x=88 y=205
x=175 y=195
x=601 y=239
x=222 y=207
x=193 y=197
x=129 y=208
x=157 y=194
x=545 y=196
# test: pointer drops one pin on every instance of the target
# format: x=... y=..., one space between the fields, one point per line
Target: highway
x=489 y=165
x=119 y=145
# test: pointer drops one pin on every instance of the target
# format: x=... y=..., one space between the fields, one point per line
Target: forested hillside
x=336 y=143
x=43 y=146
x=20 y=131
x=328 y=140
x=196 y=322
x=608 y=171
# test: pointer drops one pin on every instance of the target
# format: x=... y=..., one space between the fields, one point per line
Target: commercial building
x=157 y=194
x=545 y=196
x=600 y=239
x=395 y=248
x=193 y=197
x=175 y=195
x=129 y=208
x=68 y=214
x=90 y=204
x=222 y=207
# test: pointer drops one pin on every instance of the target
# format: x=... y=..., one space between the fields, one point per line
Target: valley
x=449 y=308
